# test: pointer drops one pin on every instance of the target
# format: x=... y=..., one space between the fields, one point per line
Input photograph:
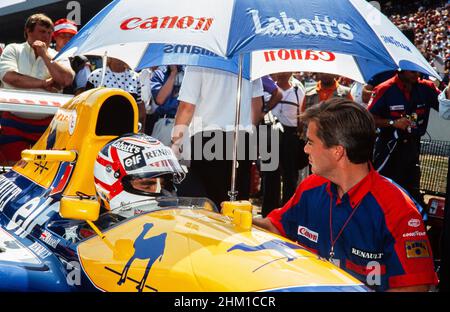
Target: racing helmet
x=133 y=168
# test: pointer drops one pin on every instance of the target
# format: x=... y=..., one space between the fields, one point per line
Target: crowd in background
x=432 y=33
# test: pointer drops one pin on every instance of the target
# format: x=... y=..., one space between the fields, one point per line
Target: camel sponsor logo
x=414 y=223
x=310 y=235
x=144 y=254
x=367 y=255
x=306 y=55
x=48 y=238
x=168 y=22
x=415 y=234
x=284 y=25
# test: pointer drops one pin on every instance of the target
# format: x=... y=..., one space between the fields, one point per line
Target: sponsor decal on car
x=48 y=238
x=40 y=250
x=8 y=191
x=12 y=250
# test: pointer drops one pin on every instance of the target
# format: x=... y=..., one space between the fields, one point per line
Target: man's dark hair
x=343 y=122
x=36 y=19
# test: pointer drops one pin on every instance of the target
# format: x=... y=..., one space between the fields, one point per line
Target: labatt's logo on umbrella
x=168 y=22
x=285 y=25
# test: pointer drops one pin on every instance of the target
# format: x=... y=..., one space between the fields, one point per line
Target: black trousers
x=212 y=177
x=403 y=165
x=290 y=151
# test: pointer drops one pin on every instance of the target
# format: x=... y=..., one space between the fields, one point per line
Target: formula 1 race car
x=55 y=237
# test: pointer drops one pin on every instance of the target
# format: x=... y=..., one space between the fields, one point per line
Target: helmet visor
x=149 y=185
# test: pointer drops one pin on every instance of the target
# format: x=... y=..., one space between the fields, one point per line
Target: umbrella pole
x=233 y=192
x=104 y=60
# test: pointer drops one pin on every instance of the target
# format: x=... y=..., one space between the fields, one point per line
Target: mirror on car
x=79 y=209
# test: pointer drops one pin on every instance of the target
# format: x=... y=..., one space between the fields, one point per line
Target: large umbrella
x=231 y=27
x=288 y=30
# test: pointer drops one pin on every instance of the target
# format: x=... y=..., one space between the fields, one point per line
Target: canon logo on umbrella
x=168 y=22
x=308 y=55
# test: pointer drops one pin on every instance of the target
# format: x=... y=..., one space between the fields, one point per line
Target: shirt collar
x=320 y=87
x=356 y=194
x=28 y=47
x=402 y=87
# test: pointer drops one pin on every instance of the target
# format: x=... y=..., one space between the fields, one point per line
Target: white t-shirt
x=20 y=57
x=287 y=114
x=357 y=92
x=214 y=92
x=444 y=105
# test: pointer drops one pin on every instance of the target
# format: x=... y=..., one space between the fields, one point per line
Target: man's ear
x=339 y=152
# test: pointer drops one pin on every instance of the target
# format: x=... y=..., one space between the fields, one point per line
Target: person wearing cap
x=29 y=66
x=64 y=31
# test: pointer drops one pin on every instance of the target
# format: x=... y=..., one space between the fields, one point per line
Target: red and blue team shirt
x=391 y=100
x=386 y=227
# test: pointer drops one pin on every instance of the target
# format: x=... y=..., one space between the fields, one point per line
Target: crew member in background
x=165 y=84
x=401 y=108
x=208 y=104
x=327 y=86
x=292 y=157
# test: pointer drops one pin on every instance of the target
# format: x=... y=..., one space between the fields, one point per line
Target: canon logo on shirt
x=310 y=235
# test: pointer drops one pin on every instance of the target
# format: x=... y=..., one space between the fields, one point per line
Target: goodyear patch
x=417 y=249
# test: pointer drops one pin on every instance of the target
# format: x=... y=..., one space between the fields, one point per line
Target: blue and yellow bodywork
x=48 y=198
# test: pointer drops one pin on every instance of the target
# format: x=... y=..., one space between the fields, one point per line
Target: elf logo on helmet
x=134 y=162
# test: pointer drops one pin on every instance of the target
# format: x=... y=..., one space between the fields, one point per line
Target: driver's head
x=135 y=167
x=152 y=185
